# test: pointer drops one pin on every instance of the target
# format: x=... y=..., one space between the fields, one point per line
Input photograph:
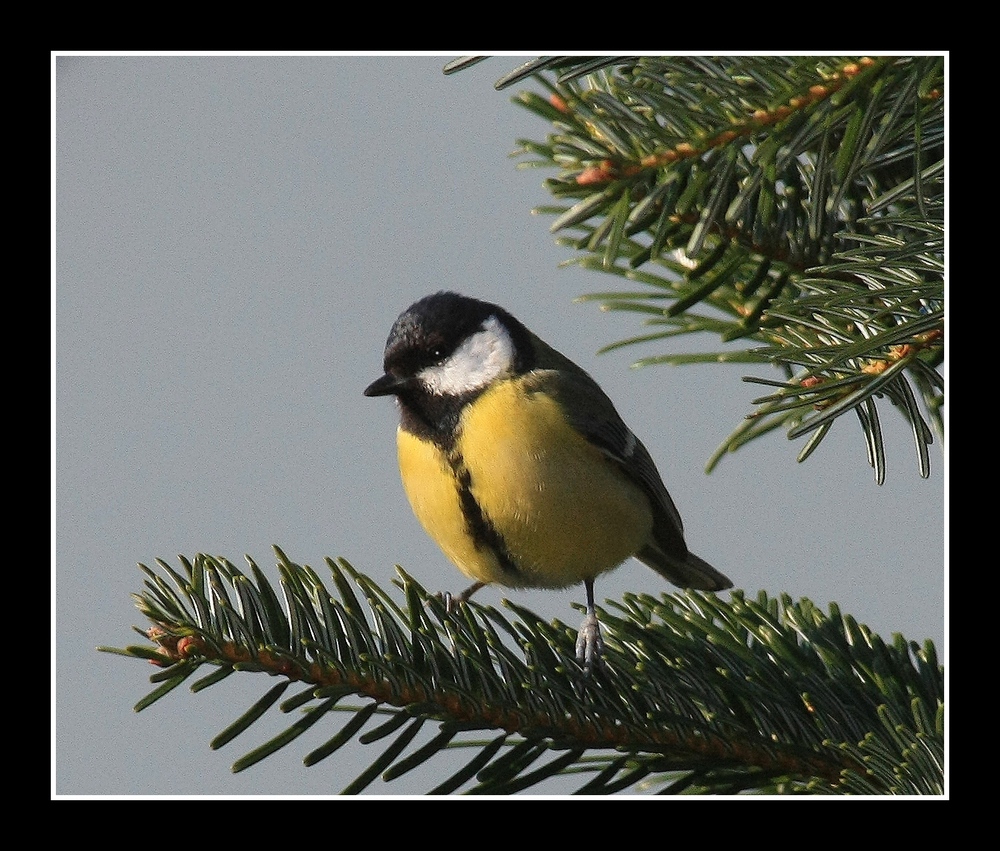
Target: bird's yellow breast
x=562 y=510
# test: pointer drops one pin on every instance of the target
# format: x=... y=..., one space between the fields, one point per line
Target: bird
x=518 y=465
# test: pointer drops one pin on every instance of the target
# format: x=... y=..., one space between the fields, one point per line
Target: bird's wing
x=594 y=415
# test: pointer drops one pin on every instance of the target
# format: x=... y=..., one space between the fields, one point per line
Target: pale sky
x=234 y=238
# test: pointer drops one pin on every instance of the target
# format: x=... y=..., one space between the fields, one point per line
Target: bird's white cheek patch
x=482 y=358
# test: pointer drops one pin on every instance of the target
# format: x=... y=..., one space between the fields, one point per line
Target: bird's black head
x=442 y=352
x=450 y=344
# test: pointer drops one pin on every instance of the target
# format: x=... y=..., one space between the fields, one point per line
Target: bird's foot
x=589 y=644
x=452 y=602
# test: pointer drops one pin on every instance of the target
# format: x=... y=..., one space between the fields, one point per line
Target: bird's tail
x=689 y=572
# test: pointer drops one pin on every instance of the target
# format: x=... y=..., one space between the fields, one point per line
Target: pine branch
x=792 y=202
x=698 y=694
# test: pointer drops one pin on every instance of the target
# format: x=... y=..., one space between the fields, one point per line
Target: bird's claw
x=451 y=602
x=589 y=644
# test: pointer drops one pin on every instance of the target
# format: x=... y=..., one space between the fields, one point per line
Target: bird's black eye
x=435 y=348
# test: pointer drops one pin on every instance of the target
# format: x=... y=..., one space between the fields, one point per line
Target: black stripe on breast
x=482 y=531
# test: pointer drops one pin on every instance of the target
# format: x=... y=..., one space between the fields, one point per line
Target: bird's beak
x=387 y=385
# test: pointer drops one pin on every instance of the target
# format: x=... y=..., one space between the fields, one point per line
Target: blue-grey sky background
x=234 y=237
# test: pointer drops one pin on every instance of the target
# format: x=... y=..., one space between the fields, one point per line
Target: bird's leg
x=589 y=644
x=451 y=603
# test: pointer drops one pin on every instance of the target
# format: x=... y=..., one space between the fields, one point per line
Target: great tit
x=517 y=464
